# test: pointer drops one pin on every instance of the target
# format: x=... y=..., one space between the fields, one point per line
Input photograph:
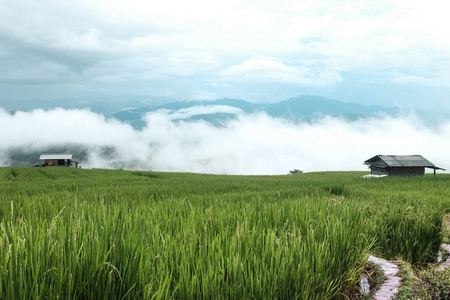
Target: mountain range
x=301 y=108
x=132 y=110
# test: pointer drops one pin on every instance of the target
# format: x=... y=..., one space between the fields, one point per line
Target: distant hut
x=59 y=160
x=400 y=165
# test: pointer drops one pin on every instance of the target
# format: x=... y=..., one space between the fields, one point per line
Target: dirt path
x=390 y=287
x=446 y=263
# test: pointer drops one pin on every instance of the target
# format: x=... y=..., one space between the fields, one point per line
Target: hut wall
x=58 y=162
x=378 y=171
x=51 y=162
x=406 y=171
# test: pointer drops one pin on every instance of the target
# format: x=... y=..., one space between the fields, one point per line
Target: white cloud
x=251 y=144
x=91 y=40
x=438 y=80
x=186 y=113
x=270 y=70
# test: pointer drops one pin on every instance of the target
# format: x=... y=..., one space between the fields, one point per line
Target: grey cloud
x=152 y=48
x=33 y=62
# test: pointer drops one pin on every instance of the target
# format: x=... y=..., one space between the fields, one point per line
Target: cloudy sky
x=394 y=52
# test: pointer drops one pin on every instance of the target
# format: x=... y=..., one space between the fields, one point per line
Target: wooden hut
x=59 y=160
x=399 y=165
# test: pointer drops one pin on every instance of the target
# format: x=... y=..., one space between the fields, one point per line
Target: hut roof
x=400 y=161
x=56 y=156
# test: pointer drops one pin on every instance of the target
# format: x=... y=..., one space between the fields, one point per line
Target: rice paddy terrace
x=75 y=233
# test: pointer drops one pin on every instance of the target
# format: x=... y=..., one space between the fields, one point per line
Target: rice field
x=107 y=234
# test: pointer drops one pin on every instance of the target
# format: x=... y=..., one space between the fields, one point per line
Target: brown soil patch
x=356 y=293
x=11 y=178
x=447 y=221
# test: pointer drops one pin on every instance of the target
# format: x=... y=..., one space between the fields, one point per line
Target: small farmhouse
x=61 y=160
x=400 y=165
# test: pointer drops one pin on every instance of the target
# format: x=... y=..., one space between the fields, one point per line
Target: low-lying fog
x=249 y=144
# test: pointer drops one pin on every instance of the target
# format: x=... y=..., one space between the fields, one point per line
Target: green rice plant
x=73 y=233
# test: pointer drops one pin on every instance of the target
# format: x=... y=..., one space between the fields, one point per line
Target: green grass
x=426 y=284
x=101 y=234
